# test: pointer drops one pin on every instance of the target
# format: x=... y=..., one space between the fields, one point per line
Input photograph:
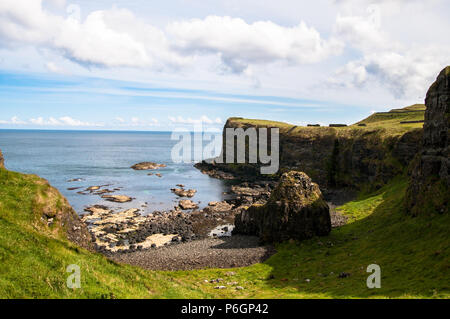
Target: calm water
x=101 y=158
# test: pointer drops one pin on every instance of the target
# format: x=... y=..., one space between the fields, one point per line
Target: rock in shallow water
x=147 y=166
x=117 y=198
x=187 y=204
x=184 y=193
x=295 y=210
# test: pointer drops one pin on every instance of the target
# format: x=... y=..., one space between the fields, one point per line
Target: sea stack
x=295 y=210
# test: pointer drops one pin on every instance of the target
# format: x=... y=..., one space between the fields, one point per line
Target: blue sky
x=111 y=104
x=151 y=65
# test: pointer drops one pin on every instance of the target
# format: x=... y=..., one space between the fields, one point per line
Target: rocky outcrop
x=59 y=216
x=430 y=182
x=333 y=157
x=186 y=204
x=181 y=192
x=2 y=161
x=147 y=166
x=295 y=210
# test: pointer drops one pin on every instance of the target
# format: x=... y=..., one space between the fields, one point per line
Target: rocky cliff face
x=2 y=161
x=295 y=210
x=333 y=157
x=430 y=182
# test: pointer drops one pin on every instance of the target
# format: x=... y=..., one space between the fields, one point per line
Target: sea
x=80 y=159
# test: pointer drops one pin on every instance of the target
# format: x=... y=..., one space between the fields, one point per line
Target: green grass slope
x=395 y=117
x=413 y=254
x=385 y=124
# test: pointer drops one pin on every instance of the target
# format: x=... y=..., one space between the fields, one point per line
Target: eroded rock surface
x=181 y=192
x=430 y=183
x=186 y=204
x=295 y=210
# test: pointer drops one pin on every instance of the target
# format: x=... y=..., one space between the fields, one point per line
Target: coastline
x=189 y=239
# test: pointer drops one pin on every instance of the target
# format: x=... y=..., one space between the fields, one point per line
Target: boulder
x=2 y=161
x=428 y=190
x=295 y=210
x=147 y=166
x=187 y=204
x=184 y=193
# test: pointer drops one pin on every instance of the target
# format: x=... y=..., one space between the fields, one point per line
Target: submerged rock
x=92 y=188
x=295 y=210
x=147 y=166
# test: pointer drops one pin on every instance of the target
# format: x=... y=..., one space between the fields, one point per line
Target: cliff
x=371 y=151
x=430 y=176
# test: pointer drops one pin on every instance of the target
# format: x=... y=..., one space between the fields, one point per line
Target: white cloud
x=240 y=44
x=37 y=121
x=62 y=121
x=14 y=121
x=406 y=70
x=112 y=38
x=203 y=119
x=17 y=121
x=53 y=67
x=57 y=3
x=405 y=74
x=117 y=38
x=362 y=32
x=136 y=122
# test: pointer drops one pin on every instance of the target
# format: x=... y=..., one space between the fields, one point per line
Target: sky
x=164 y=65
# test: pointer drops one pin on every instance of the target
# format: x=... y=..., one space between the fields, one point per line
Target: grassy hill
x=395 y=117
x=413 y=254
x=388 y=123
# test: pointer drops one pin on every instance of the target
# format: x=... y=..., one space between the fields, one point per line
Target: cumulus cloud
x=362 y=32
x=203 y=119
x=240 y=44
x=53 y=67
x=405 y=70
x=111 y=38
x=14 y=120
x=62 y=121
x=117 y=38
x=404 y=74
x=136 y=122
